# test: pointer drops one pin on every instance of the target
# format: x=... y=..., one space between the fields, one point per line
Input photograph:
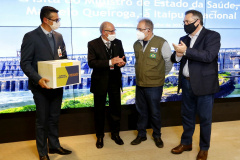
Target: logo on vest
x=153 y=55
x=153 y=49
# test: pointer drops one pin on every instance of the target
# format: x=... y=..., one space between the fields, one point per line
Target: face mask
x=189 y=29
x=111 y=37
x=140 y=35
x=55 y=25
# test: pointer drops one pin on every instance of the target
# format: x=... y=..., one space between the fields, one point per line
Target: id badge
x=59 y=52
x=111 y=67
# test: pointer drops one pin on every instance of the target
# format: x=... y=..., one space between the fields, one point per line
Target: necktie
x=108 y=45
x=51 y=41
x=49 y=35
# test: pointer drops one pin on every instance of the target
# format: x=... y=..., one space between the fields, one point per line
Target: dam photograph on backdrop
x=80 y=22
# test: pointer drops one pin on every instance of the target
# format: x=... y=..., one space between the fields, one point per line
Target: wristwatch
x=184 y=53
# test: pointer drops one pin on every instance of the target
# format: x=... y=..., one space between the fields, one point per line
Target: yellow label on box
x=67 y=75
x=62 y=76
x=66 y=64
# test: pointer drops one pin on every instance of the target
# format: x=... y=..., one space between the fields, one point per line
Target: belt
x=187 y=78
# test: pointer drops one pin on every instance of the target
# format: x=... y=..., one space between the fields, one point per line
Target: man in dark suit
x=106 y=57
x=44 y=44
x=198 y=78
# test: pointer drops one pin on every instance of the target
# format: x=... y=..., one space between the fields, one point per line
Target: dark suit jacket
x=202 y=62
x=99 y=61
x=35 y=47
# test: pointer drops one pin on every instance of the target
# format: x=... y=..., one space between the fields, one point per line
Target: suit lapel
x=102 y=47
x=45 y=40
x=199 y=38
x=56 y=41
x=114 y=48
x=185 y=40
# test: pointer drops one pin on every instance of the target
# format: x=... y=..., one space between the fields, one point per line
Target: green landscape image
x=127 y=95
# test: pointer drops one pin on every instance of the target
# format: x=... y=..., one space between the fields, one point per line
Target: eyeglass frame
x=195 y=20
x=112 y=31
x=140 y=29
x=56 y=20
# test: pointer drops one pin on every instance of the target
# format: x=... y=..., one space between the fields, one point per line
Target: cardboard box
x=60 y=72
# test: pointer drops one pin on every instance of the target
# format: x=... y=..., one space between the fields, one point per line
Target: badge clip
x=59 y=52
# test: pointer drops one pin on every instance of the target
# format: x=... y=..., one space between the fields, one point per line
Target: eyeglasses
x=56 y=20
x=140 y=29
x=112 y=31
x=187 y=22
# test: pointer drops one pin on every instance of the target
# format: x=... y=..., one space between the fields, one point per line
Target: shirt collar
x=104 y=41
x=151 y=37
x=197 y=34
x=45 y=31
x=141 y=41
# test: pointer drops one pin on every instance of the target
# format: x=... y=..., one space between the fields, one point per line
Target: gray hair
x=148 y=23
x=103 y=25
x=196 y=14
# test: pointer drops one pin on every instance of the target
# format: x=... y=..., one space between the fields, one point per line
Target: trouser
x=193 y=105
x=48 y=106
x=114 y=110
x=148 y=105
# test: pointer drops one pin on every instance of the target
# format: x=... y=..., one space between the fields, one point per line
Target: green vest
x=150 y=65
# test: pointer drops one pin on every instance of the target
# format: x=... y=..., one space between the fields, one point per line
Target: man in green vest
x=152 y=55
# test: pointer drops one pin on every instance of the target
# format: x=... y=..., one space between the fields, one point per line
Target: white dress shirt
x=193 y=40
x=45 y=31
x=105 y=42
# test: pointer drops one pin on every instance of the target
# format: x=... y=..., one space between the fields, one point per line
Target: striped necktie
x=108 y=45
x=51 y=41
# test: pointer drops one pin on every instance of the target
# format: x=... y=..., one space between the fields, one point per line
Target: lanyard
x=109 y=53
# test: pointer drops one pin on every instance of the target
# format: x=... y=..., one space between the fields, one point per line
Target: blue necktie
x=51 y=41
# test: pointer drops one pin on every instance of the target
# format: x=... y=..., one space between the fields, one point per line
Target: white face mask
x=140 y=35
x=111 y=37
x=55 y=25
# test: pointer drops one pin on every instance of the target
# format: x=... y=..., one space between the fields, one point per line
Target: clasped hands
x=180 y=48
x=119 y=61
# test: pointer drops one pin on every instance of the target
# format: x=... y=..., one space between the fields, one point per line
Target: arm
x=122 y=55
x=210 y=49
x=64 y=52
x=176 y=57
x=27 y=55
x=166 y=53
x=93 y=62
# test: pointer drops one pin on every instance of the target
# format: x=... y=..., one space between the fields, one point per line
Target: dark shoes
x=60 y=150
x=158 y=142
x=202 y=155
x=138 y=140
x=180 y=148
x=99 y=143
x=117 y=139
x=44 y=157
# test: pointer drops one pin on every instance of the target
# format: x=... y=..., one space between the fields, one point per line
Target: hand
x=180 y=48
x=43 y=83
x=179 y=54
x=117 y=60
x=122 y=63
